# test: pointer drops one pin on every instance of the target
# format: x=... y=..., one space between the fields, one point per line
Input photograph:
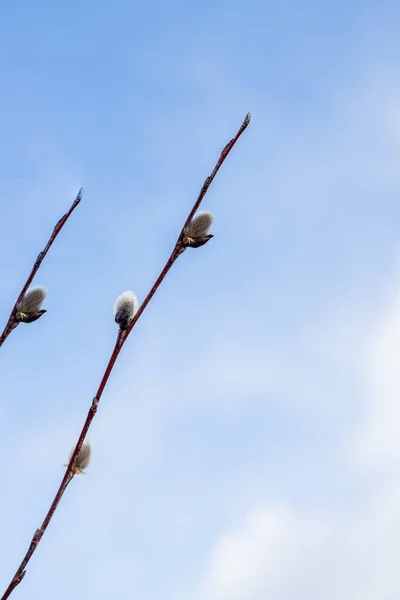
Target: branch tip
x=12 y=323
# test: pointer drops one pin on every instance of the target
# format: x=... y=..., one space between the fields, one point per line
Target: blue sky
x=247 y=443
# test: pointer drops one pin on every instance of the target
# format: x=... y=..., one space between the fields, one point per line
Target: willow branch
x=12 y=323
x=121 y=339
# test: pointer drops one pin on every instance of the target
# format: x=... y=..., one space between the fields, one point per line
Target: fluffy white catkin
x=125 y=308
x=83 y=459
x=199 y=225
x=33 y=299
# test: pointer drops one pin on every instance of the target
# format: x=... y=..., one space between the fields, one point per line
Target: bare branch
x=179 y=248
x=13 y=320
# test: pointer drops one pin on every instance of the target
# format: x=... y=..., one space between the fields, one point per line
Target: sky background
x=247 y=445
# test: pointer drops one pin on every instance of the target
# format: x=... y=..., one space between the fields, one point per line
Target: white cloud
x=283 y=554
x=285 y=551
x=377 y=442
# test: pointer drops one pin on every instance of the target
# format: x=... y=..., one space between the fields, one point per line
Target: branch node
x=95 y=403
x=60 y=222
x=206 y=184
x=37 y=537
x=227 y=148
x=20 y=577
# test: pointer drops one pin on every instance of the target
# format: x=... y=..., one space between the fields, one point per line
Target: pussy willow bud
x=28 y=310
x=83 y=458
x=125 y=308
x=195 y=234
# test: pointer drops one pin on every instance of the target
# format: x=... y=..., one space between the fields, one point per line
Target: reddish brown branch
x=12 y=323
x=121 y=338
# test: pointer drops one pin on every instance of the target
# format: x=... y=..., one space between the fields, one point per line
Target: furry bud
x=125 y=308
x=29 y=309
x=83 y=458
x=196 y=233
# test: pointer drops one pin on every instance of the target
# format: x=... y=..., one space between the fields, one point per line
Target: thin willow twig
x=121 y=339
x=12 y=323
